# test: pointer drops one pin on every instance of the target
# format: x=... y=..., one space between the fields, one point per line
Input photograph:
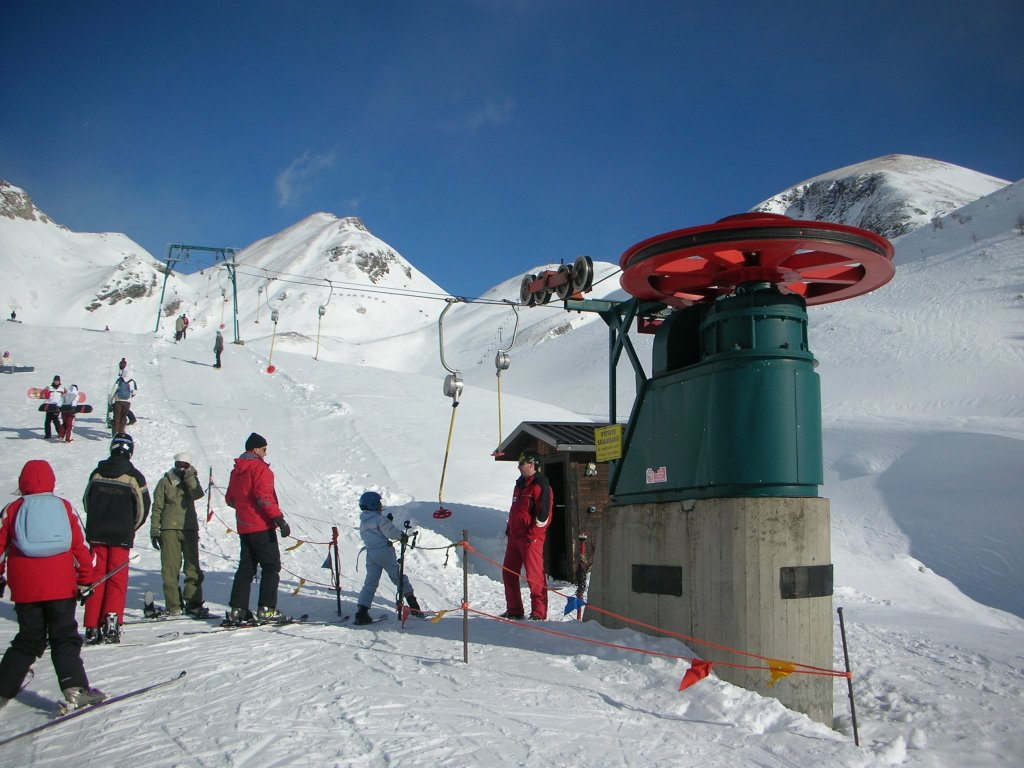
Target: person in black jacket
x=116 y=503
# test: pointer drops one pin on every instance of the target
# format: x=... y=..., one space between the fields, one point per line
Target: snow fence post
x=465 y=597
x=337 y=566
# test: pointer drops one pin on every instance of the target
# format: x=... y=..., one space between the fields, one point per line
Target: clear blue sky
x=480 y=137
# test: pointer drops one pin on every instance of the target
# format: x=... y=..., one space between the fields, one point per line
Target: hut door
x=557 y=560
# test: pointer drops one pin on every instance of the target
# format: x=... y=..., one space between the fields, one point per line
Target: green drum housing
x=733 y=406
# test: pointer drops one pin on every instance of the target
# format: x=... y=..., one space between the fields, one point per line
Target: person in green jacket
x=174 y=531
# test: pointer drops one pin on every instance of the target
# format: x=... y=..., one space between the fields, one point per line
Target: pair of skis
x=91 y=708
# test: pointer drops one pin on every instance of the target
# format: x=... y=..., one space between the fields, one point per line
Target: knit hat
x=255 y=441
x=184 y=458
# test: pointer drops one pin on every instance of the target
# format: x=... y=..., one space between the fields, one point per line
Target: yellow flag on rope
x=298 y=543
x=438 y=617
x=302 y=583
x=779 y=670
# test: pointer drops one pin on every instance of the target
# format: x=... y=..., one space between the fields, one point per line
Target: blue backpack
x=41 y=526
x=124 y=390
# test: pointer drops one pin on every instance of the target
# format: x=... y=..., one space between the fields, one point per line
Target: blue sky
x=480 y=138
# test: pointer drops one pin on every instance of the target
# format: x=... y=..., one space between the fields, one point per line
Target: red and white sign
x=659 y=475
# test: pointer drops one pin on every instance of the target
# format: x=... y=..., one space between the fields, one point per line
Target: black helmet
x=371 y=501
x=122 y=445
x=530 y=457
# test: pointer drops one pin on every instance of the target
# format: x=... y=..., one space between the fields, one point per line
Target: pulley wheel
x=582 y=274
x=525 y=296
x=564 y=289
x=821 y=261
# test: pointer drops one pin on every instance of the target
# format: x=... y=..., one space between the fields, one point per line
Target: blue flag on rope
x=327 y=562
x=572 y=604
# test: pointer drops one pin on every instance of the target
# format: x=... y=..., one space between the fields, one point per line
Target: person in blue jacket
x=378 y=531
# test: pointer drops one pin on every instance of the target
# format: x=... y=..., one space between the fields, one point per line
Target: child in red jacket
x=44 y=590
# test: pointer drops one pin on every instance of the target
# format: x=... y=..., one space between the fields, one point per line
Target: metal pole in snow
x=849 y=677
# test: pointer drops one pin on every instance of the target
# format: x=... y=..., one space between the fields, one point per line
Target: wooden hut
x=580 y=486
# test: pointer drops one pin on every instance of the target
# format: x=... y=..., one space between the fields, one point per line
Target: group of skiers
x=54 y=562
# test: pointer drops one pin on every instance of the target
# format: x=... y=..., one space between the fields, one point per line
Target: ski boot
x=197 y=611
x=236 y=617
x=78 y=697
x=266 y=615
x=149 y=609
x=93 y=636
x=363 y=616
x=414 y=605
x=111 y=630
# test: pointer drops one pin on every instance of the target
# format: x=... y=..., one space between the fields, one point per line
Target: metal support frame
x=220 y=253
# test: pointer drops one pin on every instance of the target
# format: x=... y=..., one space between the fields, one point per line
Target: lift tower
x=715 y=529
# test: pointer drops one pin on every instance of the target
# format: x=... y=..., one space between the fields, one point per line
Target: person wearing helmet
x=116 y=503
x=258 y=517
x=378 y=531
x=528 y=521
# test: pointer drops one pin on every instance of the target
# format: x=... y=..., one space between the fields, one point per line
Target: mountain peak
x=15 y=203
x=890 y=195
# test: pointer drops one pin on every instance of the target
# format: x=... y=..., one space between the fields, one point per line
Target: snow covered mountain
x=923 y=415
x=890 y=195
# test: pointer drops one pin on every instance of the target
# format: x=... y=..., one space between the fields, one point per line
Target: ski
x=376 y=620
x=253 y=624
x=83 y=710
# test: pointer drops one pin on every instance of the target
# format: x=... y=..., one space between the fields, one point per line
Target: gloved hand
x=83 y=593
x=282 y=524
x=3 y=585
x=156 y=542
x=405 y=538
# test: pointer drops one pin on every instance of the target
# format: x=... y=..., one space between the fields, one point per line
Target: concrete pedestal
x=718 y=570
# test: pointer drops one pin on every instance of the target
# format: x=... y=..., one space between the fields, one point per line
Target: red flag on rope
x=698 y=671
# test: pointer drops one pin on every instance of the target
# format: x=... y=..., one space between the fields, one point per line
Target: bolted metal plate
x=801 y=581
x=658 y=579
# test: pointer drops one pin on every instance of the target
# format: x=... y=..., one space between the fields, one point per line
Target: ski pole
x=209 y=497
x=89 y=590
x=400 y=597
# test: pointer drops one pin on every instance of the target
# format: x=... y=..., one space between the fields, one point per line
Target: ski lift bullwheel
x=820 y=261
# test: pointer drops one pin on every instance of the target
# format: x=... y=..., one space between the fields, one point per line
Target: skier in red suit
x=528 y=521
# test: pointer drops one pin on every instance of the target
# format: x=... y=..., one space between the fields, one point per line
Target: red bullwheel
x=821 y=261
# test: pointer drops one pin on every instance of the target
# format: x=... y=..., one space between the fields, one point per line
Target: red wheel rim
x=821 y=261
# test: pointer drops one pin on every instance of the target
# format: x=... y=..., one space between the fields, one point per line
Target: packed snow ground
x=938 y=677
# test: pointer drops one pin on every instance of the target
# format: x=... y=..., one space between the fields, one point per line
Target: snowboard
x=83 y=408
x=43 y=394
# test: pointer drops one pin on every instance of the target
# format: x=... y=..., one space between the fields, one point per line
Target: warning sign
x=609 y=442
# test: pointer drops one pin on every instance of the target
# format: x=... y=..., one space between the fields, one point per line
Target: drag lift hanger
x=321 y=311
x=501 y=363
x=453 y=385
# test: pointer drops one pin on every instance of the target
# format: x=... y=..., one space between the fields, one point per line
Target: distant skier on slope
x=218 y=348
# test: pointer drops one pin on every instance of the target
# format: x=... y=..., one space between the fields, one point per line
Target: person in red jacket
x=43 y=590
x=528 y=520
x=258 y=517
